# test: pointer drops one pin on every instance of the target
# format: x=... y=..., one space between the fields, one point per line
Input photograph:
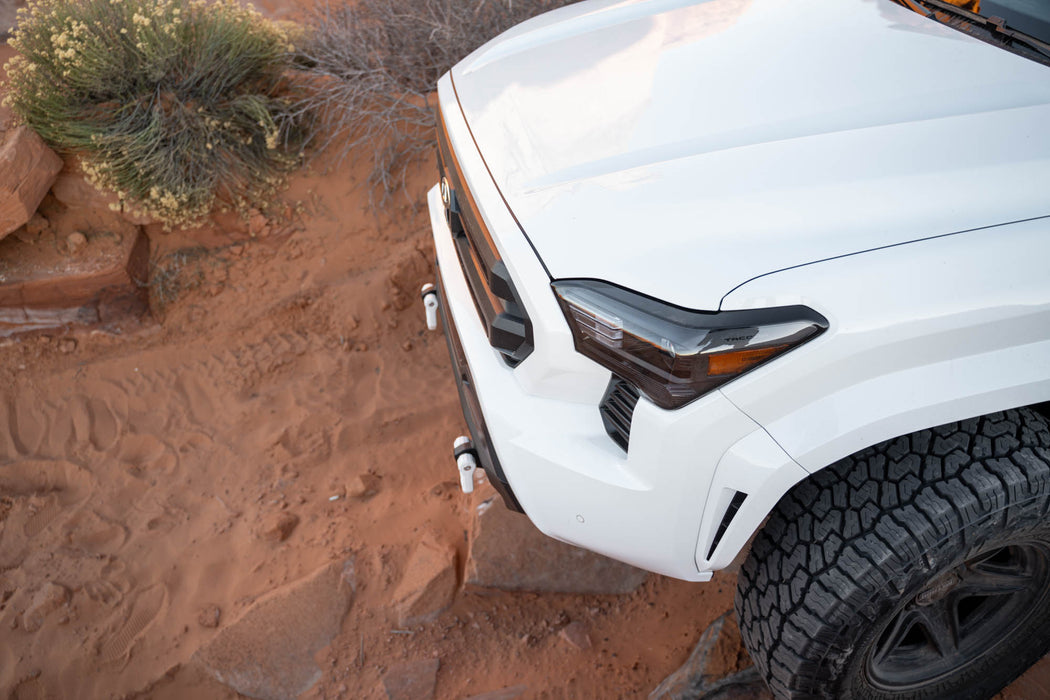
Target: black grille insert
x=617 y=410
x=498 y=304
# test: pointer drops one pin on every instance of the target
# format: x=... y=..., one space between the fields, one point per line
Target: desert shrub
x=172 y=104
x=371 y=64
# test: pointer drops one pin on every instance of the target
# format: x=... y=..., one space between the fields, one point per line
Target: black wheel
x=918 y=568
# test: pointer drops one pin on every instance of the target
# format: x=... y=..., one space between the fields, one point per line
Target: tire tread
x=851 y=531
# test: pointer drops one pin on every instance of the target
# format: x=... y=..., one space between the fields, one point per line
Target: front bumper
x=550 y=454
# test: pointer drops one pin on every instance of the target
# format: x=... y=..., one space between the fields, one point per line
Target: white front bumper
x=646 y=507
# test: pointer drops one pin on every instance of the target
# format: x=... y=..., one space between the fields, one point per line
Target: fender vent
x=731 y=511
x=617 y=409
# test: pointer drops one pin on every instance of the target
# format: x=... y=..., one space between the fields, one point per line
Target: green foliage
x=172 y=104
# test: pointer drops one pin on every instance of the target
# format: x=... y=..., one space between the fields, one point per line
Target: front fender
x=920 y=335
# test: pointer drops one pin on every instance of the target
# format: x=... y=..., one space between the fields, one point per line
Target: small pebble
x=76 y=242
x=209 y=616
x=363 y=486
x=279 y=526
x=576 y=634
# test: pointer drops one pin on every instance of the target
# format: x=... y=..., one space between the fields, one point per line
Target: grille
x=617 y=409
x=497 y=302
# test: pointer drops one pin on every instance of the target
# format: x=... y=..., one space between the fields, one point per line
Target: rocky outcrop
x=27 y=170
x=429 y=583
x=509 y=553
x=50 y=278
x=72 y=189
x=412 y=680
x=717 y=669
x=268 y=653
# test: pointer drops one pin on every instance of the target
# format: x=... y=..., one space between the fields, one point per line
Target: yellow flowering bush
x=172 y=104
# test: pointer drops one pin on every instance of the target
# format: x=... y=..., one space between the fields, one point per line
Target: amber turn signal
x=739 y=361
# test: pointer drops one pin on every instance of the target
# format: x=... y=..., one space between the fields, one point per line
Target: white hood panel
x=683 y=148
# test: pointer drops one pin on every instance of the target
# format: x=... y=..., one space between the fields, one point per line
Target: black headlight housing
x=675 y=355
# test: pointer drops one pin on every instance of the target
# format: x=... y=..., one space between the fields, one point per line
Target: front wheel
x=918 y=568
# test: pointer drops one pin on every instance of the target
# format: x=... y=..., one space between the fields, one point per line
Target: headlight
x=675 y=355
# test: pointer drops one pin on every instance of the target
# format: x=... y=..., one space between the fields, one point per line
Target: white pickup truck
x=775 y=272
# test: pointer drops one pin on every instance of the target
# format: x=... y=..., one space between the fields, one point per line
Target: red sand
x=142 y=470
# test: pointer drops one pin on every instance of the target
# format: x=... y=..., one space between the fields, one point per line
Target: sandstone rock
x=413 y=680
x=509 y=553
x=268 y=653
x=76 y=242
x=37 y=226
x=229 y=222
x=67 y=345
x=717 y=669
x=577 y=635
x=27 y=169
x=44 y=287
x=429 y=583
x=502 y=694
x=363 y=486
x=209 y=616
x=727 y=654
x=277 y=527
x=49 y=598
x=72 y=189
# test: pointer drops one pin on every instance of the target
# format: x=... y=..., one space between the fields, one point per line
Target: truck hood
x=681 y=149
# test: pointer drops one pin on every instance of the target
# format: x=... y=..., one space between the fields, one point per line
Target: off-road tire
x=860 y=550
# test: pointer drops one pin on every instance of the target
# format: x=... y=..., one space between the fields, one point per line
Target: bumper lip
x=468 y=400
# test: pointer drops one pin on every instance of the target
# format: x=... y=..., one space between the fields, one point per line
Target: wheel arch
x=755 y=474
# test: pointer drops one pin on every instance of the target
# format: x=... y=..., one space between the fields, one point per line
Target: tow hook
x=430 y=303
x=466 y=462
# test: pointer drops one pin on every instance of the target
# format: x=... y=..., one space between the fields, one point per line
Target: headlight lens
x=675 y=355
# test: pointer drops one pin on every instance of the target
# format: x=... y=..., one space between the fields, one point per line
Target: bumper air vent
x=498 y=304
x=731 y=511
x=617 y=409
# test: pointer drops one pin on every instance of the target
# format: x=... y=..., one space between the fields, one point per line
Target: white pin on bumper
x=466 y=462
x=430 y=304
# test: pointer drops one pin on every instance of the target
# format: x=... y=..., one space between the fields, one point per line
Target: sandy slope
x=141 y=474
